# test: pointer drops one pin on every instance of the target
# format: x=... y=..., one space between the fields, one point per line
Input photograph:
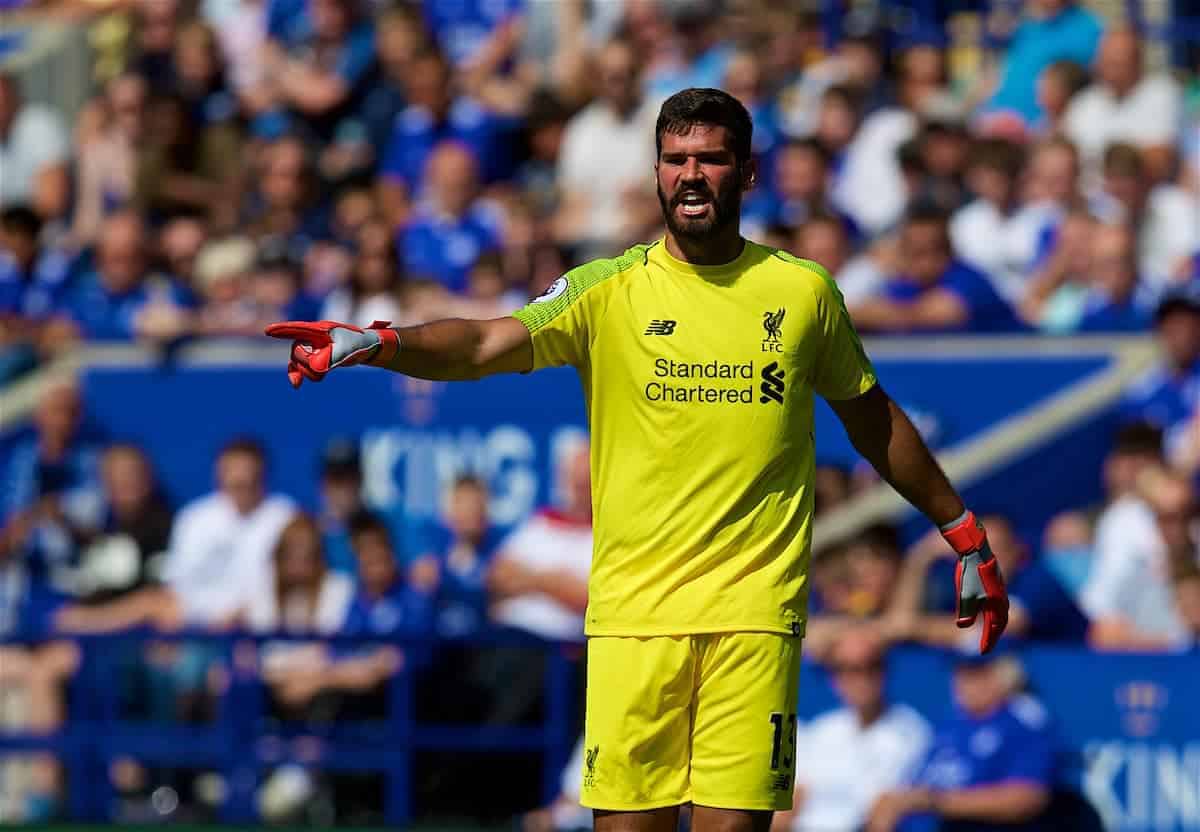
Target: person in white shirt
x=33 y=145
x=605 y=155
x=219 y=555
x=538 y=580
x=1125 y=105
x=847 y=758
x=1166 y=217
x=994 y=233
x=1129 y=594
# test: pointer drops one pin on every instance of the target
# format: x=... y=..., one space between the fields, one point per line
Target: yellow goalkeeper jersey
x=699 y=383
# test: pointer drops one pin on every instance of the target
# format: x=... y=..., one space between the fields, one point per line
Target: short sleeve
x=842 y=369
x=1028 y=754
x=562 y=320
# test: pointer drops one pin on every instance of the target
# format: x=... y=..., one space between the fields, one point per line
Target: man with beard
x=699 y=355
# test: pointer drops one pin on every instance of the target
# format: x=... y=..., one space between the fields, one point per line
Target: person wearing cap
x=341 y=499
x=991 y=765
x=849 y=756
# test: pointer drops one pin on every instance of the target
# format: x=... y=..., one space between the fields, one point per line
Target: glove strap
x=966 y=536
x=389 y=344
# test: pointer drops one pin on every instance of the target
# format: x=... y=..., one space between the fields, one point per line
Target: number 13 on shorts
x=783 y=744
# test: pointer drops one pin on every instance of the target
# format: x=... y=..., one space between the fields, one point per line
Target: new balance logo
x=772 y=383
x=658 y=327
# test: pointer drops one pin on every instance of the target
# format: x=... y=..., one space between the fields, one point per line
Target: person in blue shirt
x=465 y=28
x=1111 y=303
x=341 y=499
x=934 y=293
x=991 y=767
x=1169 y=394
x=50 y=482
x=432 y=117
x=451 y=229
x=1055 y=30
x=455 y=556
x=1041 y=609
x=385 y=604
x=31 y=283
x=107 y=302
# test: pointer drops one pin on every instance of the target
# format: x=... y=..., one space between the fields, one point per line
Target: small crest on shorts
x=589 y=762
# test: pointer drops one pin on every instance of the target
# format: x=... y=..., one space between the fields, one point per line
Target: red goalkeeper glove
x=321 y=346
x=977 y=579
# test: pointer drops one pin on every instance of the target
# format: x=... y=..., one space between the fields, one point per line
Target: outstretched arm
x=449 y=350
x=458 y=349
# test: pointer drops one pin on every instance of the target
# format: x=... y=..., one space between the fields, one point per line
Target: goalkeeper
x=699 y=355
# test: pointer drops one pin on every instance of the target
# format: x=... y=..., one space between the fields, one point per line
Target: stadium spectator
x=433 y=117
x=221 y=278
x=1167 y=218
x=284 y=204
x=991 y=766
x=1110 y=304
x=107 y=162
x=302 y=598
x=1056 y=291
x=34 y=151
x=852 y=77
x=179 y=242
x=605 y=160
x=1052 y=30
x=376 y=280
x=123 y=543
x=695 y=55
x=1041 y=610
x=934 y=292
x=341 y=499
x=538 y=579
x=1169 y=395
x=994 y=233
x=469 y=32
x=119 y=300
x=455 y=556
x=51 y=483
x=871 y=187
x=744 y=81
x=799 y=182
x=1126 y=105
x=846 y=758
x=1172 y=498
x=399 y=35
x=451 y=228
x=1128 y=595
x=823 y=238
x=1057 y=86
x=218 y=557
x=31 y=282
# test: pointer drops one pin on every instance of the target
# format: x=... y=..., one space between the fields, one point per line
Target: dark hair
x=997 y=154
x=245 y=445
x=1073 y=75
x=21 y=219
x=849 y=95
x=1143 y=438
x=825 y=217
x=704 y=105
x=809 y=145
x=368 y=522
x=926 y=211
x=1122 y=159
x=910 y=158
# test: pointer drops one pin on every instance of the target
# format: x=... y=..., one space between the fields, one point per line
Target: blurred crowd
x=246 y=161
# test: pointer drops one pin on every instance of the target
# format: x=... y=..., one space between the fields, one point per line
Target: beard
x=726 y=210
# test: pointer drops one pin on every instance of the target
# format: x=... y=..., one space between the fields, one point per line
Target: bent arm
x=1012 y=802
x=457 y=349
x=883 y=434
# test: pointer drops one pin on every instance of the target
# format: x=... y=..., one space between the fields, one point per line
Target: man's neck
x=725 y=248
x=869 y=716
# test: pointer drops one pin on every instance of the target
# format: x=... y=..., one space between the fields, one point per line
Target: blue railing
x=239 y=744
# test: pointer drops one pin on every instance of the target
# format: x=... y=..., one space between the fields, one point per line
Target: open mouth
x=693 y=204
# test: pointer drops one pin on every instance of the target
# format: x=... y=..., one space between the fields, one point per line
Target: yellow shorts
x=707 y=719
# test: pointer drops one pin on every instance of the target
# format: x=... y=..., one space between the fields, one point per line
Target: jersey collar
x=664 y=258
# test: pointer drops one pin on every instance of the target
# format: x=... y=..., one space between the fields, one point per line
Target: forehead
x=699 y=138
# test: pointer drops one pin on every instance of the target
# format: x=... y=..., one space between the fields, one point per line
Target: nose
x=691 y=170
